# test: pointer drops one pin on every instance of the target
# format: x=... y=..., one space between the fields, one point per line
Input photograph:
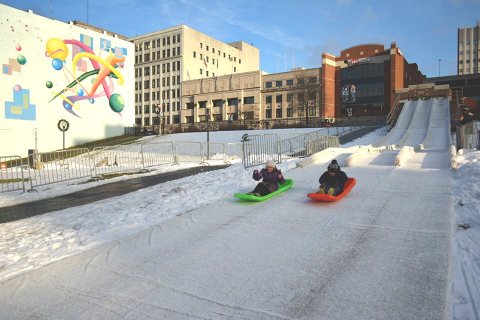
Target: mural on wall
x=20 y=108
x=86 y=85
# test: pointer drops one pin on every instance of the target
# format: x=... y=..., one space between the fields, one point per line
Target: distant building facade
x=165 y=59
x=359 y=82
x=468 y=46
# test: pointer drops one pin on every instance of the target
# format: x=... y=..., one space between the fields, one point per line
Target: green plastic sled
x=281 y=188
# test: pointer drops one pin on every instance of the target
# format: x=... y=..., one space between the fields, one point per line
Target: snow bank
x=402 y=157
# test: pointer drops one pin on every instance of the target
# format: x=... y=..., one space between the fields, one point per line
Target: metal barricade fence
x=12 y=174
x=468 y=135
x=61 y=165
x=257 y=149
x=216 y=151
x=188 y=152
x=158 y=153
x=116 y=159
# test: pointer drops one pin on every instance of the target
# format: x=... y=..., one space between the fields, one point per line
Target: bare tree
x=307 y=93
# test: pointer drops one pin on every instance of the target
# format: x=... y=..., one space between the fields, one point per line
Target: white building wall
x=36 y=60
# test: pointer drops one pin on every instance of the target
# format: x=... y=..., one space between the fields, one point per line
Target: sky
x=289 y=33
x=145 y=230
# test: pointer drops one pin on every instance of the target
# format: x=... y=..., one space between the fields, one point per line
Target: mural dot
x=21 y=59
x=116 y=102
x=56 y=48
x=80 y=92
x=92 y=101
x=18 y=47
x=17 y=87
x=49 y=84
x=57 y=64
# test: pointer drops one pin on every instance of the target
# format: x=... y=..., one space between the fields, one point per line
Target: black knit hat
x=333 y=166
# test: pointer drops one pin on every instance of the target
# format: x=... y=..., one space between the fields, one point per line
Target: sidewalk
x=30 y=209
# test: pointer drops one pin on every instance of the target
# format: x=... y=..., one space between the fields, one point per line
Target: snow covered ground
x=36 y=242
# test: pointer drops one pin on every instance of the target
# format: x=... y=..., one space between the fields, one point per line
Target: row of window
x=475 y=42
x=175 y=106
x=156 y=55
x=175 y=93
x=467 y=61
x=156 y=69
x=156 y=43
x=231 y=58
x=312 y=96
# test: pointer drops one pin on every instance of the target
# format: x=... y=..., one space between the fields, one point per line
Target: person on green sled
x=332 y=180
x=271 y=178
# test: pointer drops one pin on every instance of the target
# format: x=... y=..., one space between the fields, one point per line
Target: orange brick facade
x=397 y=73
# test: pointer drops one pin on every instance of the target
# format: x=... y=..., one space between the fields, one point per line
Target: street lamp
x=207 y=114
x=163 y=117
x=157 y=110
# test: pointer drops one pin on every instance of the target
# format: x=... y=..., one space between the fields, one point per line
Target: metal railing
x=12 y=176
x=468 y=136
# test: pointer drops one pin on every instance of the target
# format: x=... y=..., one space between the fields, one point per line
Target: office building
x=468 y=46
x=165 y=59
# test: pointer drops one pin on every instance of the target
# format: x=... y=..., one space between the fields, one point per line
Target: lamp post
x=163 y=117
x=157 y=110
x=207 y=114
x=439 y=61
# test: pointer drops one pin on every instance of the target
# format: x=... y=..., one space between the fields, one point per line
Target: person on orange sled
x=332 y=180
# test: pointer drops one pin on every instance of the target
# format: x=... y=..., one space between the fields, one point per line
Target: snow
x=205 y=255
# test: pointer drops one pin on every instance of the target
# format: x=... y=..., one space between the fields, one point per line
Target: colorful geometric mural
x=104 y=70
x=20 y=108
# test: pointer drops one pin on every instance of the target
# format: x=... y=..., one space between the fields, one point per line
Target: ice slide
x=403 y=122
x=417 y=130
x=422 y=124
x=438 y=134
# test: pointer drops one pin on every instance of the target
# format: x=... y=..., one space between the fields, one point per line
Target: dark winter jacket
x=337 y=180
x=272 y=178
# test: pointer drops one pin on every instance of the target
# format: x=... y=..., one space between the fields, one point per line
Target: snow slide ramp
x=438 y=134
x=417 y=131
x=401 y=126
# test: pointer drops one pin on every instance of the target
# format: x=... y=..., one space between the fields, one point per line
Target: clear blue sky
x=289 y=33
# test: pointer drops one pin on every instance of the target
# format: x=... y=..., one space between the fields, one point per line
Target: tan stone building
x=165 y=59
x=468 y=47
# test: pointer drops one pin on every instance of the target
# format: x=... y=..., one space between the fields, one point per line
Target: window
x=206 y=73
x=239 y=61
x=146 y=71
x=278 y=98
x=290 y=97
x=268 y=113
x=147 y=57
x=146 y=84
x=168 y=40
x=268 y=99
x=194 y=54
x=268 y=84
x=146 y=97
x=234 y=69
x=278 y=113
x=207 y=48
x=213 y=50
x=201 y=71
x=289 y=112
x=201 y=45
x=278 y=83
x=178 y=38
x=249 y=100
x=146 y=45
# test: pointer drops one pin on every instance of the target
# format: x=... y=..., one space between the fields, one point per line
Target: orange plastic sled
x=328 y=198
